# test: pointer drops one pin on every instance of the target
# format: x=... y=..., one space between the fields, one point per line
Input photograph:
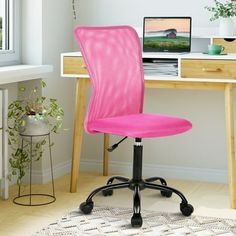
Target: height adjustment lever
x=114 y=146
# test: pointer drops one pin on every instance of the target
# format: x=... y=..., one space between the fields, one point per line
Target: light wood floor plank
x=208 y=199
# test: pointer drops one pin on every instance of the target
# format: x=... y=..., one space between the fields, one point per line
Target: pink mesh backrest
x=113 y=58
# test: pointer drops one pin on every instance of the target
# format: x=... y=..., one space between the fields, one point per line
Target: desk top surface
x=193 y=56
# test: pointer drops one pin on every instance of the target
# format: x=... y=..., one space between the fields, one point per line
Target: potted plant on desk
x=224 y=12
x=31 y=115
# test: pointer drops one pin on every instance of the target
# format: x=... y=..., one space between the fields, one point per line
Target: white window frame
x=12 y=56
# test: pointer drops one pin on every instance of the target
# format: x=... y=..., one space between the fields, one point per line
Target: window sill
x=18 y=73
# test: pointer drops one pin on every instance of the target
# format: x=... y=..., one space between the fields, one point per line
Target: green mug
x=214 y=49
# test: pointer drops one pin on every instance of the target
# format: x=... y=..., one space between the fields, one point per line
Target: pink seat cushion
x=141 y=125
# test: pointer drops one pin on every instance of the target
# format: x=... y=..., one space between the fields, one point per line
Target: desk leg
x=81 y=86
x=105 y=155
x=230 y=142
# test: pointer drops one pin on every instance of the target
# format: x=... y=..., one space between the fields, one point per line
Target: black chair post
x=137 y=160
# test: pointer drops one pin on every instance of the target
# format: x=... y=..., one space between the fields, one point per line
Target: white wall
x=31 y=31
x=47 y=28
x=198 y=154
x=57 y=38
x=106 y=12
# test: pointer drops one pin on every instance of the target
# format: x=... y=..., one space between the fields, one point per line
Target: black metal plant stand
x=30 y=195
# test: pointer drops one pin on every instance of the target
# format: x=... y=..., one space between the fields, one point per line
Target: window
x=9 y=32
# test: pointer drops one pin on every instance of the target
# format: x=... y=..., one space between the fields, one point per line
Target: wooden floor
x=207 y=198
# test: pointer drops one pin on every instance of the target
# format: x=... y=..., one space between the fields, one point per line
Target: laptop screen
x=167 y=34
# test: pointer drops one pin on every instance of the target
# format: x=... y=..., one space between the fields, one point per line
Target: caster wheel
x=86 y=207
x=107 y=192
x=166 y=194
x=136 y=220
x=186 y=209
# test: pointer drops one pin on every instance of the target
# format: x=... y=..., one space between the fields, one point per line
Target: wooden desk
x=73 y=66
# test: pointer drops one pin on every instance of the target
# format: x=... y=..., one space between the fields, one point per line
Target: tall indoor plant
x=31 y=115
x=224 y=12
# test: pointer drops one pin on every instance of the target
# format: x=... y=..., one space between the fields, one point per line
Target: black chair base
x=136 y=220
x=137 y=184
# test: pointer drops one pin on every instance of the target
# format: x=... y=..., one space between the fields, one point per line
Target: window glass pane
x=9 y=32
x=6 y=20
x=2 y=24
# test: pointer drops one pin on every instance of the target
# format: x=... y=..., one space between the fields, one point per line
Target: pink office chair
x=113 y=58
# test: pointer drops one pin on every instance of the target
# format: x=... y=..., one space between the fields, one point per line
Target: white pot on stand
x=35 y=125
x=226 y=27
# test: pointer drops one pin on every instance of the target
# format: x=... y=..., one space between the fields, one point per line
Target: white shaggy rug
x=116 y=221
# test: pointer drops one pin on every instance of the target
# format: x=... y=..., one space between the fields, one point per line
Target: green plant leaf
x=43 y=84
x=22 y=89
x=226 y=9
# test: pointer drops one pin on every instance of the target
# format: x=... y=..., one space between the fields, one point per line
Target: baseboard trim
x=44 y=176
x=166 y=171
x=125 y=168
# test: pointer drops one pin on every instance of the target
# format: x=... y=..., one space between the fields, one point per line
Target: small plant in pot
x=33 y=115
x=224 y=11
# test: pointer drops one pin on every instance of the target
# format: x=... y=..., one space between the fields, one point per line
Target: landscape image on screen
x=167 y=34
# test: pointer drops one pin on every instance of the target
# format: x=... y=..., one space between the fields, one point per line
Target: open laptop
x=167 y=34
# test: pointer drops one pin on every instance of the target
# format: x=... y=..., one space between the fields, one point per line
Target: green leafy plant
x=225 y=10
x=38 y=107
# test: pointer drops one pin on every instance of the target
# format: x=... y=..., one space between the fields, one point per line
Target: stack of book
x=161 y=67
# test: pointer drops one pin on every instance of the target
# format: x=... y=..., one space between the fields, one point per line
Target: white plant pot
x=35 y=125
x=226 y=27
